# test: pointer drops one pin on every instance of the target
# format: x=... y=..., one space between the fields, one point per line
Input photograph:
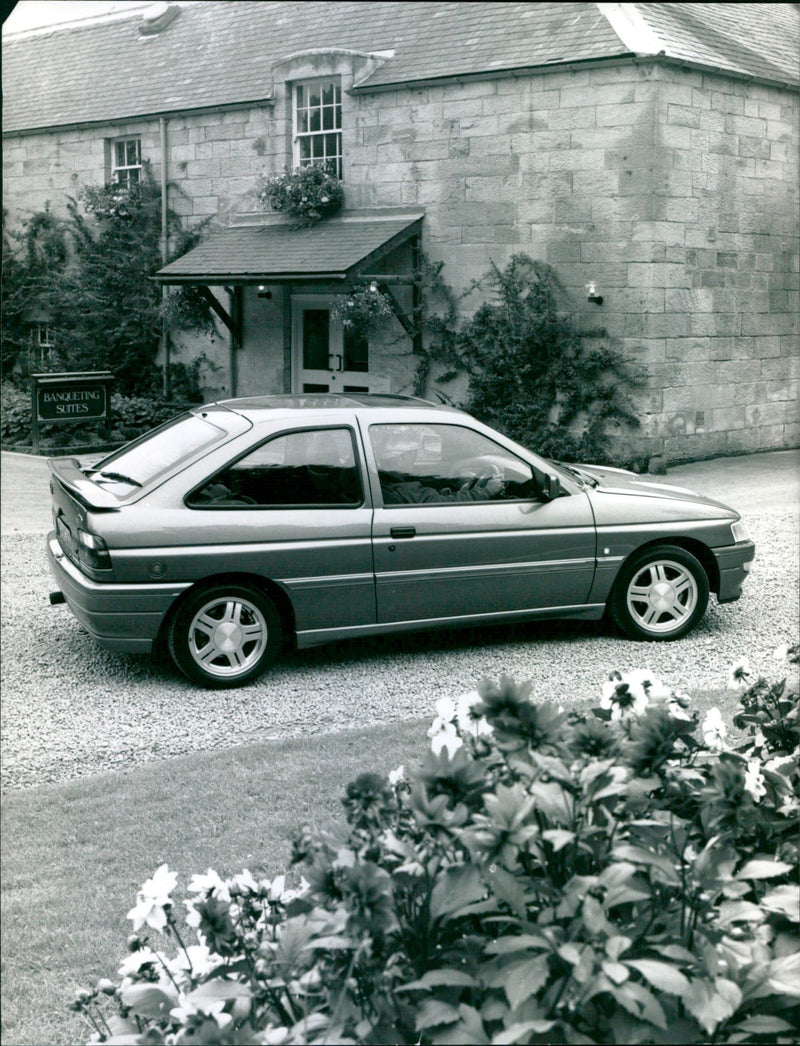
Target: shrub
x=308 y=193
x=616 y=876
x=131 y=416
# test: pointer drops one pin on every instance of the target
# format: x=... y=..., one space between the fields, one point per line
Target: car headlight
x=740 y=531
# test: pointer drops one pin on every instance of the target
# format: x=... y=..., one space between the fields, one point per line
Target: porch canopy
x=340 y=248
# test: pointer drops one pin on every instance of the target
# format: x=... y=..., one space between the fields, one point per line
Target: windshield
x=143 y=461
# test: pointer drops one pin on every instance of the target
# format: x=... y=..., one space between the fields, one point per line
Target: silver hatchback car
x=244 y=525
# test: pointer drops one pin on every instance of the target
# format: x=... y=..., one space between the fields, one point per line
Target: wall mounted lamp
x=592 y=294
x=264 y=291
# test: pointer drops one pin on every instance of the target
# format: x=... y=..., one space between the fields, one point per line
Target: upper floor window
x=318 y=124
x=43 y=341
x=126 y=161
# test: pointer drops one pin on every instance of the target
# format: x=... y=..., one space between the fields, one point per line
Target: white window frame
x=43 y=341
x=126 y=173
x=327 y=112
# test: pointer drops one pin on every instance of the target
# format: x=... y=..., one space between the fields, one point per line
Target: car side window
x=312 y=467
x=437 y=464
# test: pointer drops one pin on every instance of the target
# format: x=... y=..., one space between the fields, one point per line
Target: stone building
x=649 y=152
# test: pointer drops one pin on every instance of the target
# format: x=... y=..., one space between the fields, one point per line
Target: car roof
x=335 y=401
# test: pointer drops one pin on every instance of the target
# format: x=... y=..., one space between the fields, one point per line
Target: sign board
x=69 y=397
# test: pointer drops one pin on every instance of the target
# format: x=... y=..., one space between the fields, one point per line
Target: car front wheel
x=225 y=636
x=660 y=594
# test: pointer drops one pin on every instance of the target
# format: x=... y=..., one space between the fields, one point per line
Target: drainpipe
x=162 y=126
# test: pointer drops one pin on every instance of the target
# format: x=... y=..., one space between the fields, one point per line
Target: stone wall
x=673 y=189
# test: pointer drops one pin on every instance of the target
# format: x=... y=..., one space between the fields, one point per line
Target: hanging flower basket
x=363 y=310
x=307 y=193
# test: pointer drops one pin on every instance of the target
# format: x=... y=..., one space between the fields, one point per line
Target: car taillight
x=93 y=551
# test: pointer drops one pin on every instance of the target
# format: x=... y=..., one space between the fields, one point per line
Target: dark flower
x=654 y=738
x=370 y=802
x=460 y=778
x=516 y=721
x=217 y=926
x=592 y=738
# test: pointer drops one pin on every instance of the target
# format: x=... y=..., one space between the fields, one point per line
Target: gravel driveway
x=70 y=709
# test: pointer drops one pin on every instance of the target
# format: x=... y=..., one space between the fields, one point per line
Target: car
x=248 y=525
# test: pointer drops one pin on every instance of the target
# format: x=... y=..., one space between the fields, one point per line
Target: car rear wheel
x=660 y=594
x=225 y=636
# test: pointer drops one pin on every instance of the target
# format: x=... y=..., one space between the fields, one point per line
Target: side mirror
x=551 y=486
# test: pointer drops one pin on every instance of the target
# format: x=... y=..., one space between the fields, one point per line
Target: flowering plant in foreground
x=627 y=874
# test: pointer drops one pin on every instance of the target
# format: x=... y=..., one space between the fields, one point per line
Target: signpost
x=69 y=397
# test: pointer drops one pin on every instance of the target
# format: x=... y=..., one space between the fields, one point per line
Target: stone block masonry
x=674 y=190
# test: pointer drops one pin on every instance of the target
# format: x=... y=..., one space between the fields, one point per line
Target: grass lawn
x=75 y=854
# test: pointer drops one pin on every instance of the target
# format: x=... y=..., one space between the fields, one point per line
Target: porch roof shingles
x=330 y=250
x=222 y=53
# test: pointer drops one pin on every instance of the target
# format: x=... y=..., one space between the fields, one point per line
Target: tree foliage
x=89 y=274
x=534 y=373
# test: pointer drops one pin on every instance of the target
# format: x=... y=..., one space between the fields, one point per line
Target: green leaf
x=712 y=1002
x=558 y=837
x=675 y=951
x=764 y=1024
x=434 y=1012
x=520 y=1032
x=519 y=943
x=784 y=975
x=731 y=912
x=639 y=855
x=783 y=899
x=641 y=1003
x=661 y=975
x=467 y=1032
x=760 y=869
x=148 y=1000
x=615 y=971
x=216 y=990
x=551 y=800
x=458 y=887
x=507 y=888
x=433 y=978
x=524 y=979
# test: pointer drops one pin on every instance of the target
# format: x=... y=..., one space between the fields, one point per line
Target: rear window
x=151 y=456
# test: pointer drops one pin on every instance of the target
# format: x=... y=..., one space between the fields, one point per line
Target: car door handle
x=403 y=532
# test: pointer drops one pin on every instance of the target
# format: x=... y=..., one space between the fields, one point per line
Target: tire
x=225 y=636
x=660 y=594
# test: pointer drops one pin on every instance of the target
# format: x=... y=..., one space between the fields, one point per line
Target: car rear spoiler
x=68 y=473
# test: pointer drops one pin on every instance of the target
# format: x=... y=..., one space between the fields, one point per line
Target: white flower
x=213 y=1008
x=209 y=884
x=444 y=735
x=133 y=962
x=397 y=776
x=714 y=730
x=739 y=673
x=153 y=899
x=754 y=780
x=466 y=718
x=624 y=695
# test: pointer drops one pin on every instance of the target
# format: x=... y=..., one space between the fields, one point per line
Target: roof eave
x=588 y=63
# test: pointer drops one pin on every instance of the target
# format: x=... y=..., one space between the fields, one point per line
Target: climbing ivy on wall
x=534 y=372
x=89 y=273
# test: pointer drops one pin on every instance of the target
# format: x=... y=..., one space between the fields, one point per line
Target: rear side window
x=313 y=467
x=146 y=459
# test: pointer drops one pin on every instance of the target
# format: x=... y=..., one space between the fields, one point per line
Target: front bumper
x=123 y=618
x=733 y=563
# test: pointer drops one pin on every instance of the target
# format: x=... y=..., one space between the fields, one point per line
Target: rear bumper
x=124 y=618
x=733 y=562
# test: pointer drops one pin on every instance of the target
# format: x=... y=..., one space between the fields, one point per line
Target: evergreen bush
x=624 y=875
x=534 y=373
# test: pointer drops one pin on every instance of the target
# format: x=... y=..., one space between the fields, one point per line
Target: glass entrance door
x=326 y=357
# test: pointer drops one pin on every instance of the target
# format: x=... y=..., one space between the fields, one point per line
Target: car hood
x=624 y=483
